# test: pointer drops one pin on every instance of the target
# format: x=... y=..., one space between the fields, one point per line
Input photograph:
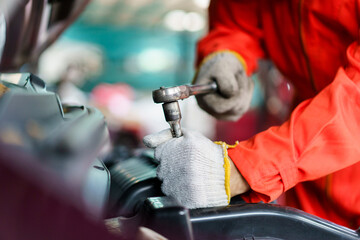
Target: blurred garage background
x=118 y=51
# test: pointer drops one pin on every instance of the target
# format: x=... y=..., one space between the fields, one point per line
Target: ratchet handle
x=203 y=88
x=181 y=92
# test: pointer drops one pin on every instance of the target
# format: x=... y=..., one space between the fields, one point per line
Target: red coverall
x=316 y=153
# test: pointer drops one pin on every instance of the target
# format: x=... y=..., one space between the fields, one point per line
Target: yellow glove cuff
x=227 y=166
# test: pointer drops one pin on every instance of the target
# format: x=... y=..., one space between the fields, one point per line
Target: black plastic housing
x=134 y=179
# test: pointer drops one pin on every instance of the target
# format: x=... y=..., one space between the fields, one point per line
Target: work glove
x=192 y=168
x=235 y=88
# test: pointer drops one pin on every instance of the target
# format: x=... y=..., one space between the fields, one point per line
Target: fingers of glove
x=203 y=79
x=172 y=164
x=154 y=140
x=226 y=109
x=191 y=137
x=216 y=104
x=224 y=68
x=226 y=81
x=191 y=170
x=171 y=152
x=163 y=152
x=175 y=155
x=174 y=150
x=192 y=193
x=235 y=113
x=246 y=84
x=184 y=190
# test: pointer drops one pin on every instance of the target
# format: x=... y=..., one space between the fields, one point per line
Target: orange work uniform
x=316 y=153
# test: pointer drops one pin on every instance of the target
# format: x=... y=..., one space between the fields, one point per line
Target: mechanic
x=314 y=156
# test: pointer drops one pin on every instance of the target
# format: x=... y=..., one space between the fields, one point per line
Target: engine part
x=240 y=221
x=132 y=181
x=67 y=139
x=135 y=178
x=28 y=27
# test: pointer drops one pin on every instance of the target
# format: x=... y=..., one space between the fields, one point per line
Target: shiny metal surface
x=173 y=116
x=170 y=96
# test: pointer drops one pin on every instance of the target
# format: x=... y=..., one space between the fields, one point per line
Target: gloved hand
x=235 y=87
x=192 y=168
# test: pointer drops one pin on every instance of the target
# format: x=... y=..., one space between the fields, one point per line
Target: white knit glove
x=235 y=88
x=191 y=168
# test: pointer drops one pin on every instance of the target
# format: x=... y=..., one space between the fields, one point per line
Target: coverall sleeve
x=233 y=25
x=322 y=136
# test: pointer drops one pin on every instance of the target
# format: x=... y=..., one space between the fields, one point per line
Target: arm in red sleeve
x=321 y=137
x=233 y=25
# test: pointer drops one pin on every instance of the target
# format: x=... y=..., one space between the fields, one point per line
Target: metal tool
x=170 y=96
